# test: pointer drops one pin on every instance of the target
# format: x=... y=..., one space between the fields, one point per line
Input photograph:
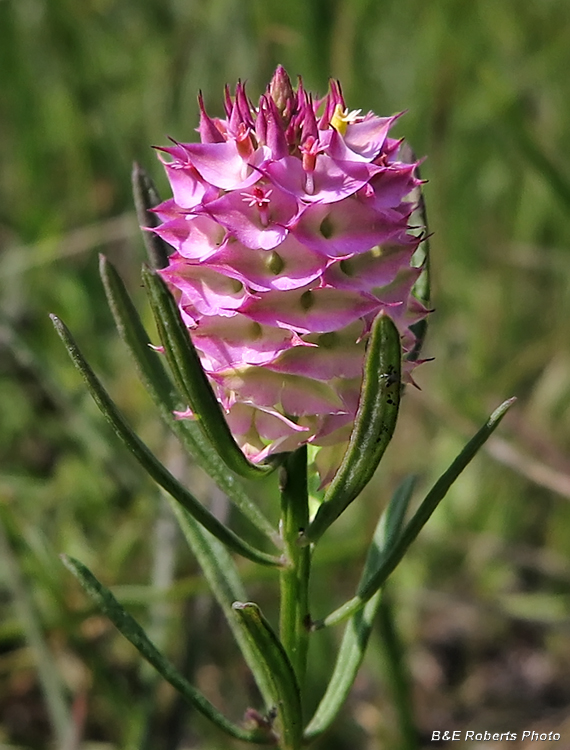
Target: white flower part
x=342 y=118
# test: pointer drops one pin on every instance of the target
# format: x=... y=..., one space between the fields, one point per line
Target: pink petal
x=221 y=164
x=335 y=428
x=289 y=266
x=367 y=138
x=405 y=309
x=337 y=355
x=272 y=425
x=310 y=311
x=392 y=184
x=347 y=227
x=375 y=268
x=240 y=418
x=238 y=342
x=185 y=414
x=188 y=188
x=248 y=224
x=204 y=291
x=295 y=395
x=195 y=237
x=329 y=182
x=167 y=210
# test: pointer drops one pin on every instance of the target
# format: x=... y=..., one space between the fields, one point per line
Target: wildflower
x=290 y=224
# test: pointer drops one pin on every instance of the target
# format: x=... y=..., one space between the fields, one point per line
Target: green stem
x=295 y=618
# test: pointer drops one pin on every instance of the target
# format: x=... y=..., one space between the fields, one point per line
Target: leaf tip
x=57 y=323
x=68 y=562
x=501 y=410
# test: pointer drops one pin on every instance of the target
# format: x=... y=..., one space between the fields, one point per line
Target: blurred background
x=482 y=601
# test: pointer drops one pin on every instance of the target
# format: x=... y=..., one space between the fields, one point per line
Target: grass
x=89 y=87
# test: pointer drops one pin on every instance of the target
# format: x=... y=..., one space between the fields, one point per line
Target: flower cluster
x=291 y=228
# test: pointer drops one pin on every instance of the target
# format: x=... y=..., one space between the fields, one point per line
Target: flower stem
x=295 y=618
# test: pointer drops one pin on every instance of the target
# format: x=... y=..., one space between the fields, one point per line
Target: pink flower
x=290 y=223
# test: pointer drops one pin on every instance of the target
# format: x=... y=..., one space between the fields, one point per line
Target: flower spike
x=292 y=227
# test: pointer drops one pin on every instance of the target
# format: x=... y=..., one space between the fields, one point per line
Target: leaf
x=279 y=671
x=192 y=380
x=150 y=463
x=134 y=633
x=357 y=631
x=393 y=555
x=373 y=426
x=223 y=579
x=160 y=388
x=396 y=672
x=146 y=197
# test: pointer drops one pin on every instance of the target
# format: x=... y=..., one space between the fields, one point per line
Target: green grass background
x=482 y=600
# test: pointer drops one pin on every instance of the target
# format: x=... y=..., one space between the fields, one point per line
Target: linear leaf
x=146 y=197
x=279 y=670
x=150 y=463
x=134 y=633
x=223 y=579
x=192 y=380
x=388 y=561
x=160 y=388
x=357 y=631
x=373 y=426
x=397 y=675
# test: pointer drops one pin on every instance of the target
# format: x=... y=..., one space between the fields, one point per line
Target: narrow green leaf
x=146 y=197
x=358 y=629
x=192 y=380
x=421 y=259
x=150 y=463
x=373 y=427
x=134 y=633
x=389 y=527
x=159 y=386
x=223 y=579
x=396 y=551
x=279 y=671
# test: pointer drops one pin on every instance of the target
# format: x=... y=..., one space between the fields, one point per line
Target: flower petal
x=375 y=268
x=350 y=226
x=256 y=226
x=194 y=237
x=311 y=311
x=221 y=164
x=238 y=341
x=329 y=182
x=289 y=265
x=205 y=291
